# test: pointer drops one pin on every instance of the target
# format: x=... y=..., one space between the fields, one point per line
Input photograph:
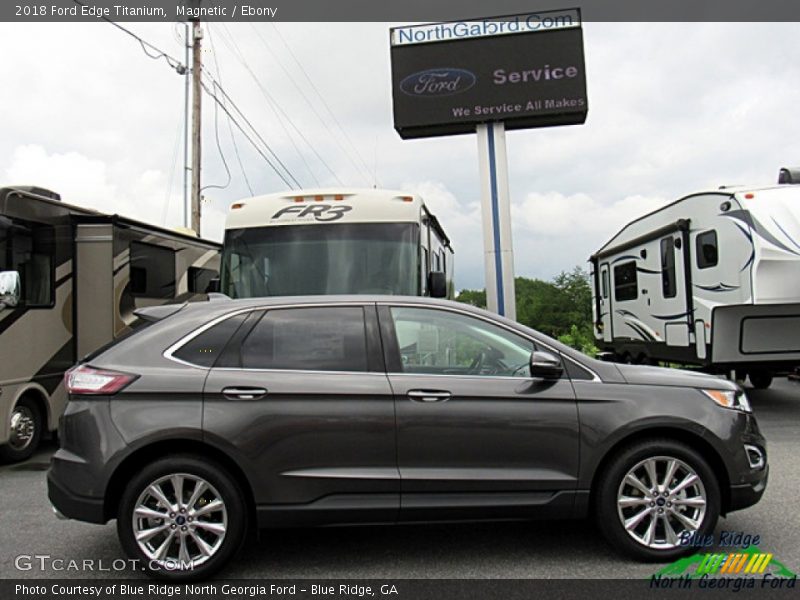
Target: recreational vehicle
x=70 y=280
x=335 y=242
x=712 y=279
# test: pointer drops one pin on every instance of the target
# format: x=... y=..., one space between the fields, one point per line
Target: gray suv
x=224 y=416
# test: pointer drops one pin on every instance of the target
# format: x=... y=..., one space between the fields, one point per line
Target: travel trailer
x=70 y=281
x=335 y=241
x=712 y=279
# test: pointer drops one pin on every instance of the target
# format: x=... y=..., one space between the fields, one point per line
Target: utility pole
x=187 y=101
x=197 y=72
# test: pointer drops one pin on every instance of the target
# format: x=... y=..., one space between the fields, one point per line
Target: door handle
x=243 y=393
x=428 y=396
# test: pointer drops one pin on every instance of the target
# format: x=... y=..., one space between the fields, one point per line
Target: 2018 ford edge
x=223 y=416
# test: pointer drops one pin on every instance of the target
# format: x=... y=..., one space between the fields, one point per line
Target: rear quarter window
x=204 y=349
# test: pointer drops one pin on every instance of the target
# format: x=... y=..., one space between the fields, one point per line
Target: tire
x=761 y=380
x=26 y=426
x=635 y=460
x=220 y=537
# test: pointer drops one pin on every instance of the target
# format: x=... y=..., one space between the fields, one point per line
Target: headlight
x=737 y=400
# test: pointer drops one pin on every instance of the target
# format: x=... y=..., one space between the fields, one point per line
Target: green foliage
x=561 y=308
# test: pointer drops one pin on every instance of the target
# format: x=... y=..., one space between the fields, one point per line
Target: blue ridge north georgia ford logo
x=438 y=82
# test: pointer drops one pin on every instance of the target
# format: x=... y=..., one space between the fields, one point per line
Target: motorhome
x=335 y=241
x=70 y=281
x=712 y=279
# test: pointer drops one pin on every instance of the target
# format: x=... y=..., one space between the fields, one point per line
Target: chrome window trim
x=170 y=351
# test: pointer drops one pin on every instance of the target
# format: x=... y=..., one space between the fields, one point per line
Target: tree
x=561 y=308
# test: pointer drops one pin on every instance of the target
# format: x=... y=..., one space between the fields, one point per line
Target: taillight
x=85 y=380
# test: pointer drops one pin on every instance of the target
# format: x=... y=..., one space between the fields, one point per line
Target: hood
x=645 y=375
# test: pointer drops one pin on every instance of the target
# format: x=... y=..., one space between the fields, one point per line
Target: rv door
x=669 y=307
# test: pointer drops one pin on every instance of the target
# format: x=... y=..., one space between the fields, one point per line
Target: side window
x=604 y=282
x=308 y=339
x=152 y=271
x=203 y=349
x=444 y=343
x=707 y=251
x=199 y=279
x=668 y=287
x=626 y=285
x=29 y=249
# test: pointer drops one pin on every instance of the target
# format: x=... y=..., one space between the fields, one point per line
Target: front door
x=476 y=435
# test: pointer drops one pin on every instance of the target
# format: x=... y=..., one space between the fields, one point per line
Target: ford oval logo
x=438 y=82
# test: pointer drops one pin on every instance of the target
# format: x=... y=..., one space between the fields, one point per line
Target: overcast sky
x=673 y=108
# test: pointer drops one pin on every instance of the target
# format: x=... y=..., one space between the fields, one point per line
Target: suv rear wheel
x=652 y=494
x=182 y=517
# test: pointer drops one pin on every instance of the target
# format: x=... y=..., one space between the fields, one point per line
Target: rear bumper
x=73 y=506
x=748 y=494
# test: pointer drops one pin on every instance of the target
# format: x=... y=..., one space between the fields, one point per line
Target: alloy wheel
x=180 y=521
x=660 y=499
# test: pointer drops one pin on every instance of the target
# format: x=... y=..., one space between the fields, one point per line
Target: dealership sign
x=525 y=70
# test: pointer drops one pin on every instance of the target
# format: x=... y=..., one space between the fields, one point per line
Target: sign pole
x=496 y=213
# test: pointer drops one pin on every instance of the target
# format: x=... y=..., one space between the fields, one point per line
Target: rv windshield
x=288 y=260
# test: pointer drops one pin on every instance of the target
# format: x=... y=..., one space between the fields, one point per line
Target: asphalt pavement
x=552 y=549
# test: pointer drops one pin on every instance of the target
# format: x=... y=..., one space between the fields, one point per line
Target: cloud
x=108 y=188
x=673 y=108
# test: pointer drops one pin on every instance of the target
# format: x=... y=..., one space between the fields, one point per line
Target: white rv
x=335 y=241
x=70 y=281
x=712 y=279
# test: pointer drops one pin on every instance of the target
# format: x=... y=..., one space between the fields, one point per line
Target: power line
x=146 y=46
x=230 y=125
x=221 y=155
x=247 y=137
x=322 y=98
x=276 y=106
x=237 y=53
x=227 y=97
x=334 y=136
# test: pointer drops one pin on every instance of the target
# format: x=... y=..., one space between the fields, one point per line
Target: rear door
x=477 y=436
x=301 y=398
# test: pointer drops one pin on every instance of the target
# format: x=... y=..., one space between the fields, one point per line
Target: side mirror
x=437 y=284
x=545 y=366
x=10 y=288
x=213 y=286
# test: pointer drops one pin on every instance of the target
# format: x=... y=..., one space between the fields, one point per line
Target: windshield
x=289 y=260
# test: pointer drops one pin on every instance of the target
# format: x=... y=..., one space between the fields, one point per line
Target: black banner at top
x=378 y=11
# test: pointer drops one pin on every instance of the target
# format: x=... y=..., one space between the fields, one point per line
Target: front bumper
x=748 y=494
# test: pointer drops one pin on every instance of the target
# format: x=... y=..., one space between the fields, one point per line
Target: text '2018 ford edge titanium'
x=224 y=416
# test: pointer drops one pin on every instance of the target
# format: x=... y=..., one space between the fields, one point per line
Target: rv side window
x=626 y=286
x=707 y=252
x=668 y=287
x=604 y=283
x=29 y=249
x=152 y=271
x=199 y=279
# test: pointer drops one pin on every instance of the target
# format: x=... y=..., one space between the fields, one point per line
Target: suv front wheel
x=653 y=495
x=182 y=518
